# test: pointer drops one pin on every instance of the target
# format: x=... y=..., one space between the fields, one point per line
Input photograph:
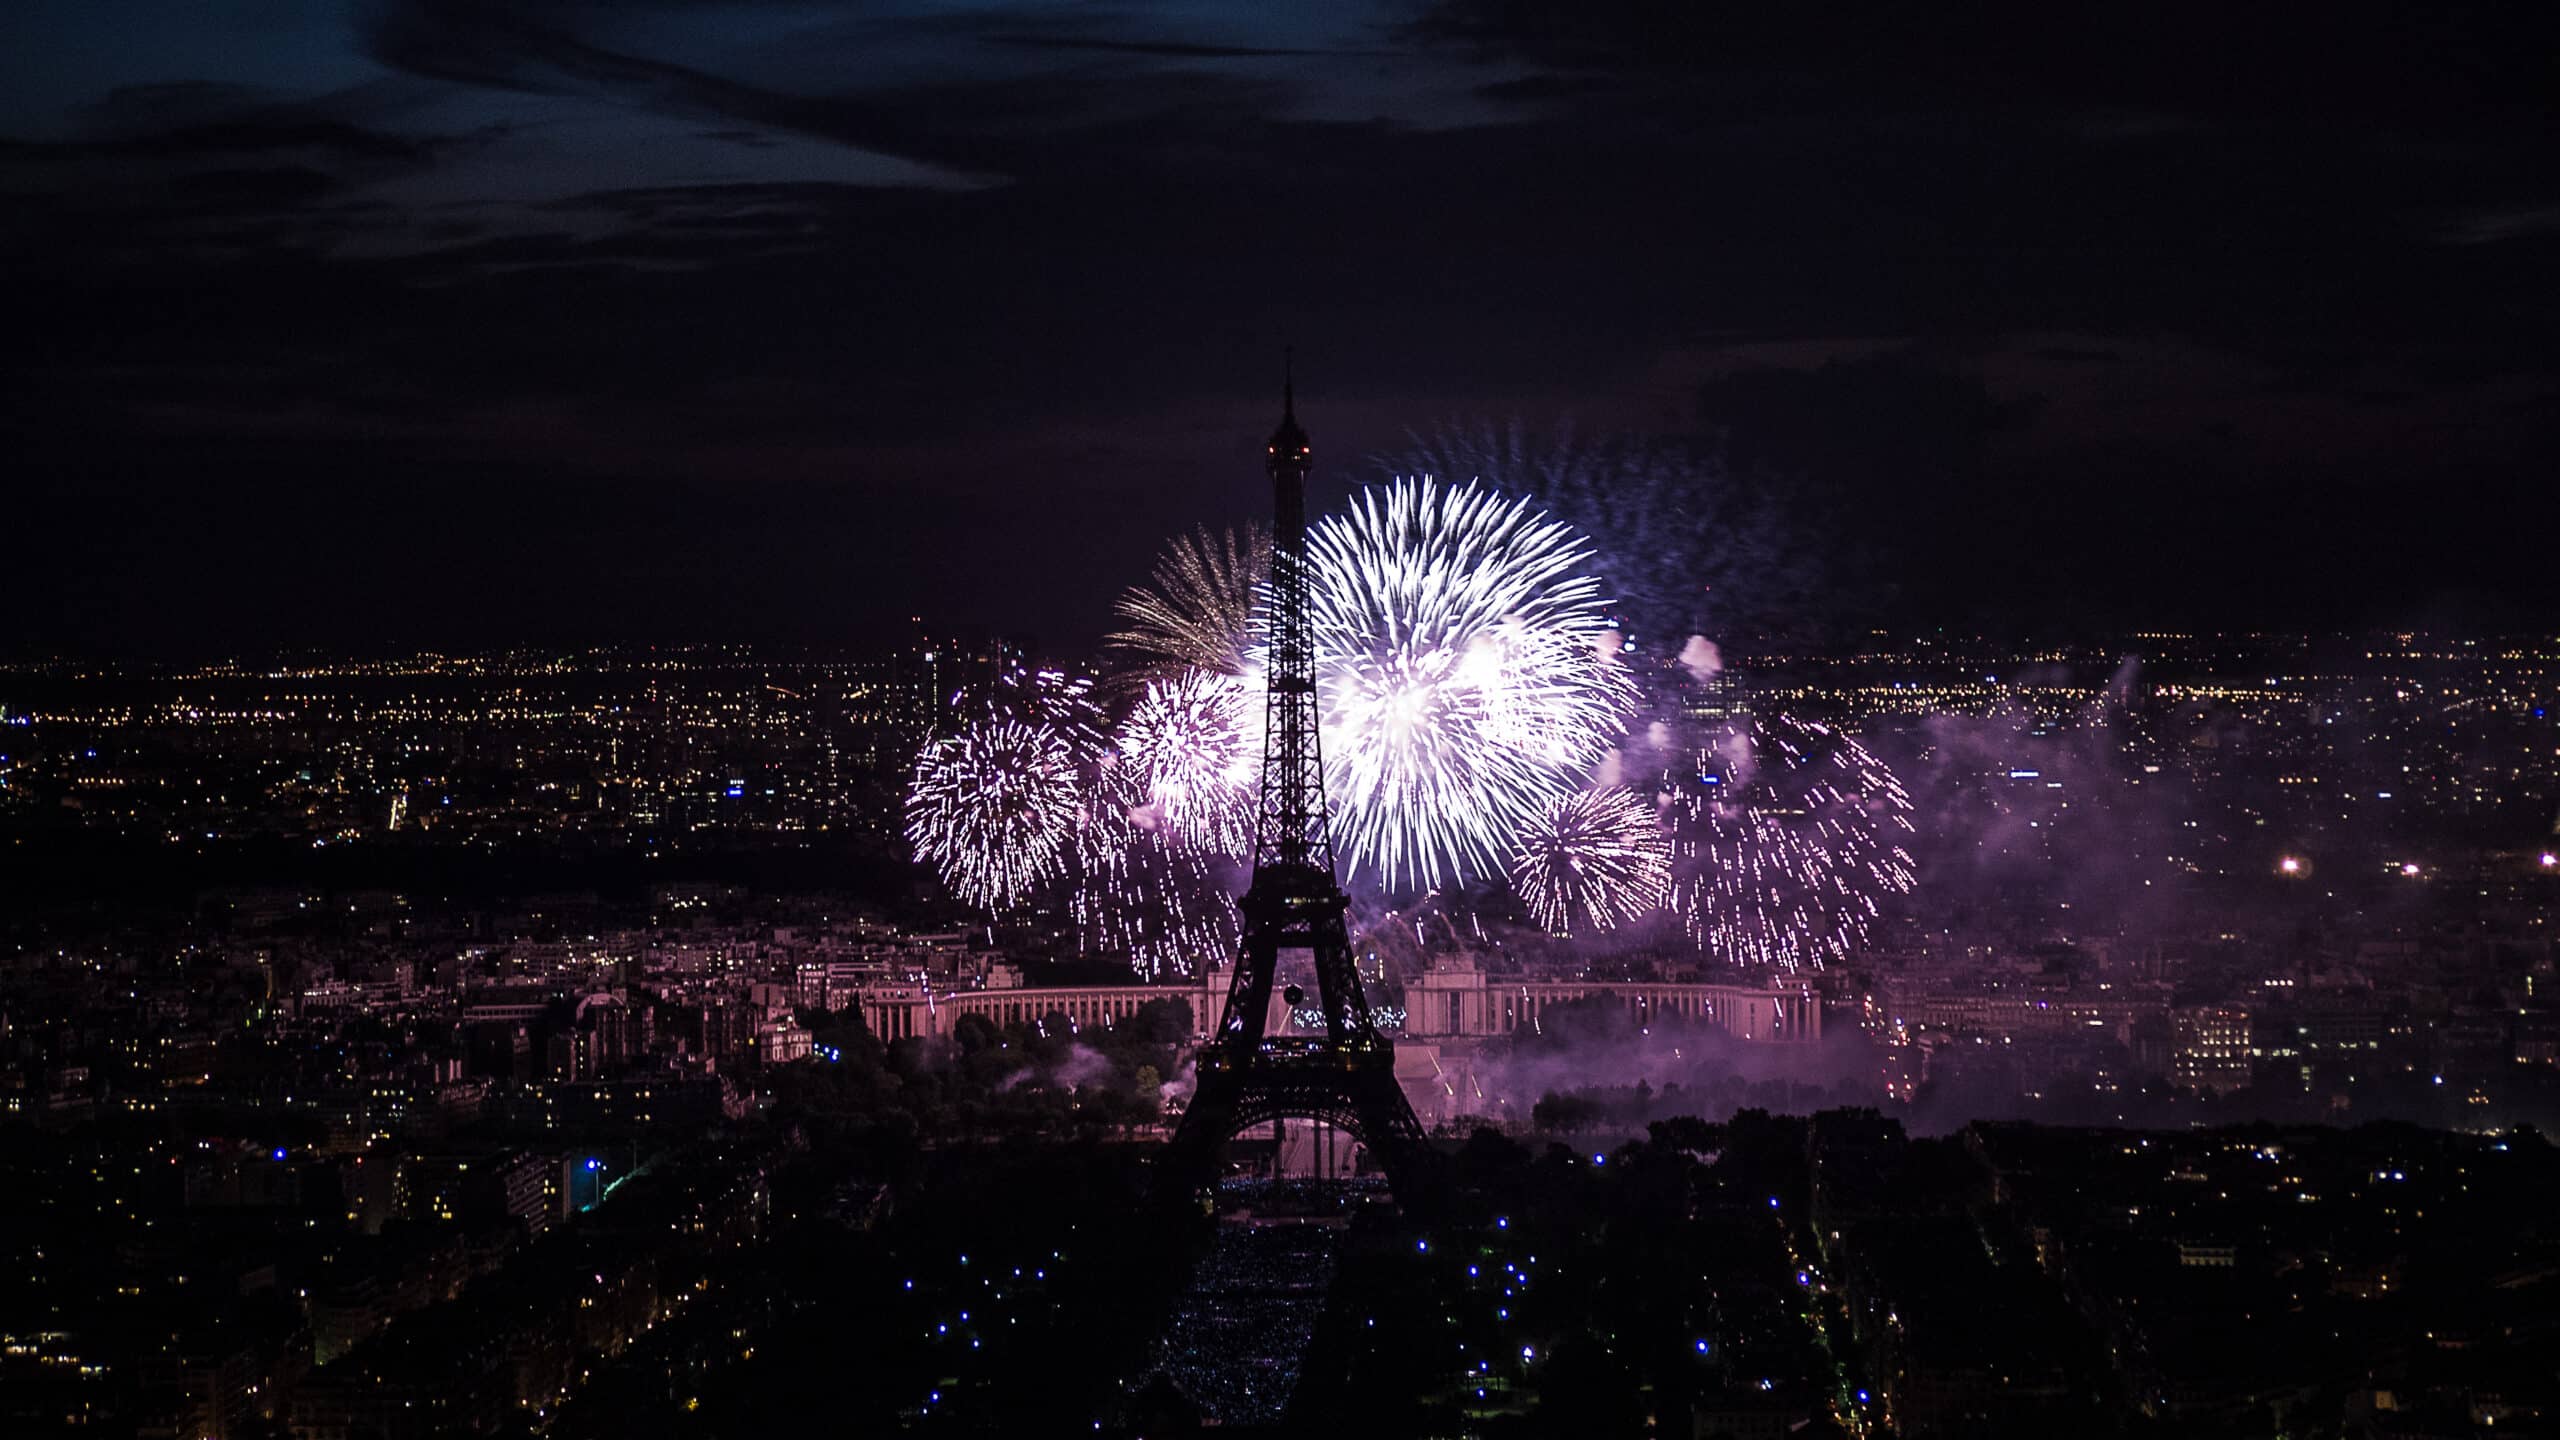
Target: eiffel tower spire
x=1289 y=827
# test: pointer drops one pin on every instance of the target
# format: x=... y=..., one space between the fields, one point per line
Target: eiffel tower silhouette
x=1345 y=1078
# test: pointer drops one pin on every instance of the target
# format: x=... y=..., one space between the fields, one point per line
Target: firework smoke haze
x=1701 y=659
x=1685 y=545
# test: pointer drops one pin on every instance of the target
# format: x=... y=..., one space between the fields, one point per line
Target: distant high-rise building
x=2209 y=1047
x=939 y=672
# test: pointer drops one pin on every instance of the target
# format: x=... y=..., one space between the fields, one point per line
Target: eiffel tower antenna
x=1346 y=1078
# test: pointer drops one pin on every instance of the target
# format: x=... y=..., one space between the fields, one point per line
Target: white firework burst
x=993 y=807
x=1786 y=838
x=1192 y=750
x=1592 y=861
x=1465 y=671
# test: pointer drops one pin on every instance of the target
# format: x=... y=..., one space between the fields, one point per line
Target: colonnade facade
x=1451 y=1000
x=1458 y=999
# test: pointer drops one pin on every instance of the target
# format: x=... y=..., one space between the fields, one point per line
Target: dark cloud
x=2067 y=302
x=1168 y=49
x=2126 y=71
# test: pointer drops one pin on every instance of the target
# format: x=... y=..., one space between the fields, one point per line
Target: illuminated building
x=2209 y=1047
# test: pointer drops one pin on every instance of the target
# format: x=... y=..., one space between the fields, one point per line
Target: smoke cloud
x=1701 y=659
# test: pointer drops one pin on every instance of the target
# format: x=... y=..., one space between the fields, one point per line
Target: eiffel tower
x=1347 y=1077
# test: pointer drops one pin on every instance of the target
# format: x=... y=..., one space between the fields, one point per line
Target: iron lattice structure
x=1346 y=1078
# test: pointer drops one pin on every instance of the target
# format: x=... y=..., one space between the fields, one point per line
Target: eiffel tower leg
x=1361 y=1098
x=1395 y=1138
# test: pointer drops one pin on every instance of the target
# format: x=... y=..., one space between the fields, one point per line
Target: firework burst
x=1592 y=861
x=1466 y=679
x=1138 y=891
x=1785 y=836
x=1192 y=746
x=1200 y=608
x=993 y=807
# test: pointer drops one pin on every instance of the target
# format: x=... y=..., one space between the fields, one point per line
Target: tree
x=1564 y=1114
x=1161 y=1022
x=1687 y=1133
x=1588 y=1390
x=973 y=1033
x=1490 y=1157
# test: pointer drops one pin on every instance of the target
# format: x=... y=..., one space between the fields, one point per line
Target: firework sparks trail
x=1466 y=679
x=1593 y=861
x=1139 y=891
x=1783 y=841
x=1192 y=746
x=1054 y=700
x=993 y=807
x=1200 y=609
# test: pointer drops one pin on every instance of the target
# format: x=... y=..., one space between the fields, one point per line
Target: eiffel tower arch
x=1345 y=1077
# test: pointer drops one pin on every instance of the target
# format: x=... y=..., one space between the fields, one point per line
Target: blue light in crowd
x=279 y=1152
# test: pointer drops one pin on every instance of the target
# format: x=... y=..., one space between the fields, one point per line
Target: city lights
x=664 y=668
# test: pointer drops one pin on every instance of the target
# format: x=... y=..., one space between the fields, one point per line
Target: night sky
x=459 y=322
